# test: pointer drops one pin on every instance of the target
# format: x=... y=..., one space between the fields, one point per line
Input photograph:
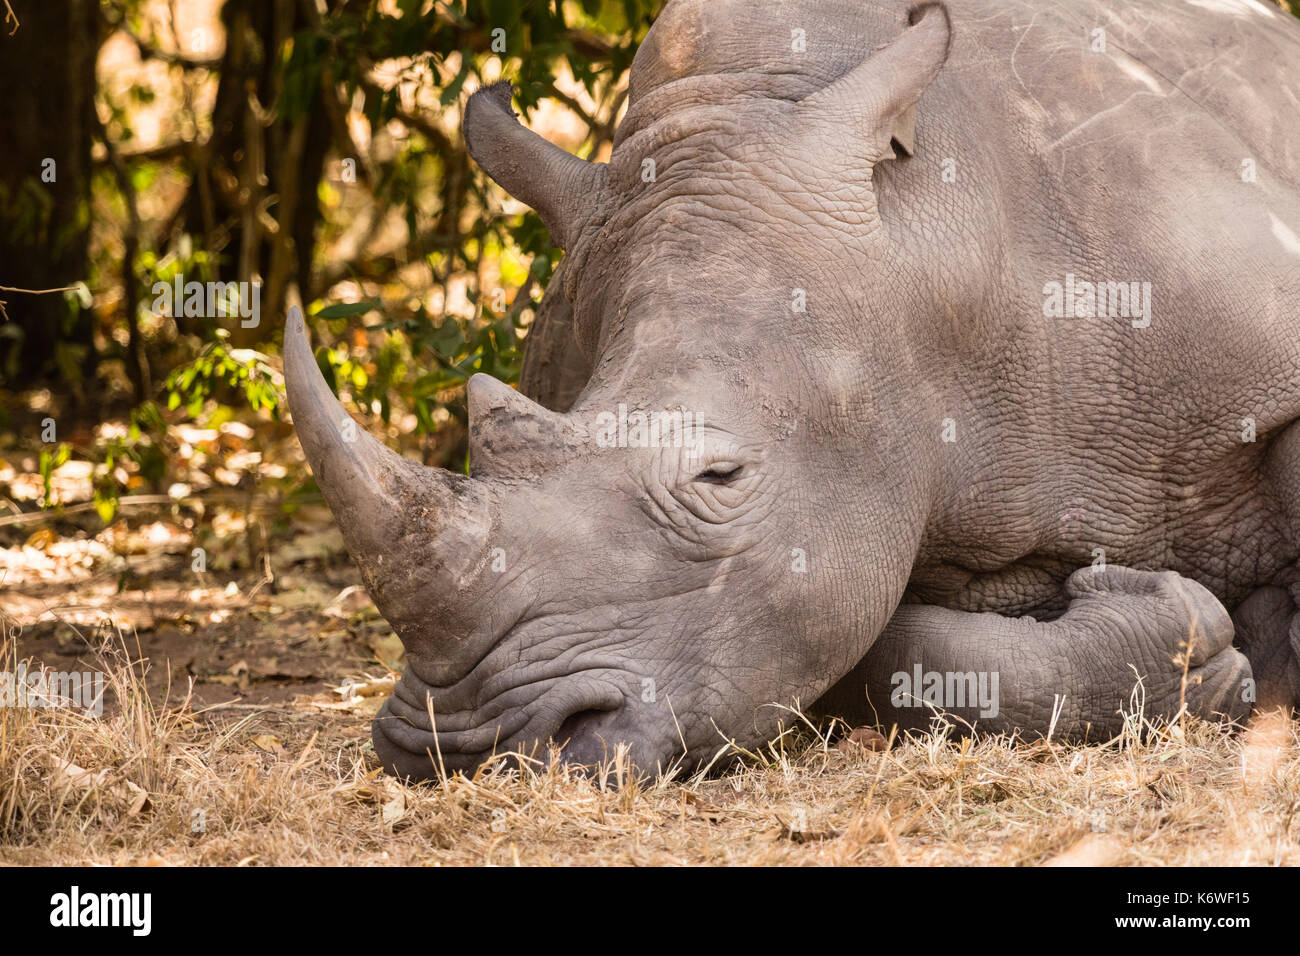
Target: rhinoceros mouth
x=423 y=725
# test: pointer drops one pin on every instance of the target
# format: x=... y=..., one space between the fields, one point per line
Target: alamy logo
x=53 y=689
x=209 y=299
x=946 y=690
x=635 y=429
x=74 y=908
x=1080 y=299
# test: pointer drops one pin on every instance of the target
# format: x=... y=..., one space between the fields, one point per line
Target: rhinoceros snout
x=414 y=738
x=585 y=737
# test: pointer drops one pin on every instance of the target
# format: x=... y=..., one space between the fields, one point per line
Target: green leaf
x=344 y=310
x=434 y=382
x=106 y=508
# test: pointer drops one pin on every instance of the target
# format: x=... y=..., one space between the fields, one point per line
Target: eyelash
x=713 y=476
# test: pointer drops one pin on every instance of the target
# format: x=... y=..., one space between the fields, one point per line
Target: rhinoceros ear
x=878 y=97
x=560 y=186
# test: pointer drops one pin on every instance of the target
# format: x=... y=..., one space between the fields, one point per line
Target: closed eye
x=719 y=474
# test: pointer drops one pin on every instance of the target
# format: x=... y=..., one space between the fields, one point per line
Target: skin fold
x=840 y=261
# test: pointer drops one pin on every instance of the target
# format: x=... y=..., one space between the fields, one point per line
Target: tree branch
x=8 y=288
x=150 y=52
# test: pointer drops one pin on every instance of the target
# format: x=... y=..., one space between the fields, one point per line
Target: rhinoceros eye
x=720 y=473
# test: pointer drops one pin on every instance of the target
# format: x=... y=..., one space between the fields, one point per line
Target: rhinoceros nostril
x=576 y=725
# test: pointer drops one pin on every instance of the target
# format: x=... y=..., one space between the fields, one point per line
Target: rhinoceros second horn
x=560 y=186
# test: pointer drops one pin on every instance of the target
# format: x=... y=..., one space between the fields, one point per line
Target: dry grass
x=149 y=784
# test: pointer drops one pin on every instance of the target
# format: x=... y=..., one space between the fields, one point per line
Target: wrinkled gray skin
x=821 y=445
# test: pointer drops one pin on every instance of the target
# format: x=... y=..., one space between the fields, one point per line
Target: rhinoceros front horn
x=561 y=187
x=418 y=534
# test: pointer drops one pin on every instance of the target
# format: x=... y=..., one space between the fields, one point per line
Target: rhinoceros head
x=726 y=517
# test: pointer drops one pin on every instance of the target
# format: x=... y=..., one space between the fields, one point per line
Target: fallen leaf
x=366 y=706
x=139 y=798
x=366 y=687
x=268 y=742
x=351 y=600
x=394 y=809
x=78 y=776
x=136 y=797
x=42 y=539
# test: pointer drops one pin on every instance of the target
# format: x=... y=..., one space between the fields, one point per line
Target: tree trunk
x=254 y=194
x=47 y=73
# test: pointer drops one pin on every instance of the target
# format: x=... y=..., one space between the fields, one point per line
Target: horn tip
x=918 y=11
x=295 y=329
x=498 y=94
x=942 y=21
x=484 y=394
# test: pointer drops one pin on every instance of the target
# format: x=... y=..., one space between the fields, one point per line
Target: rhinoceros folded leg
x=1002 y=674
x=1268 y=621
x=1268 y=631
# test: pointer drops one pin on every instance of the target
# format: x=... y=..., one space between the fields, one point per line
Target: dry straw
x=292 y=784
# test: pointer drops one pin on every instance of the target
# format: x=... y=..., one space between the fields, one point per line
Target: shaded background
x=313 y=142
x=148 y=483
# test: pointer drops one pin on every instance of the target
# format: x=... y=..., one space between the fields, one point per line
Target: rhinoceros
x=903 y=361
